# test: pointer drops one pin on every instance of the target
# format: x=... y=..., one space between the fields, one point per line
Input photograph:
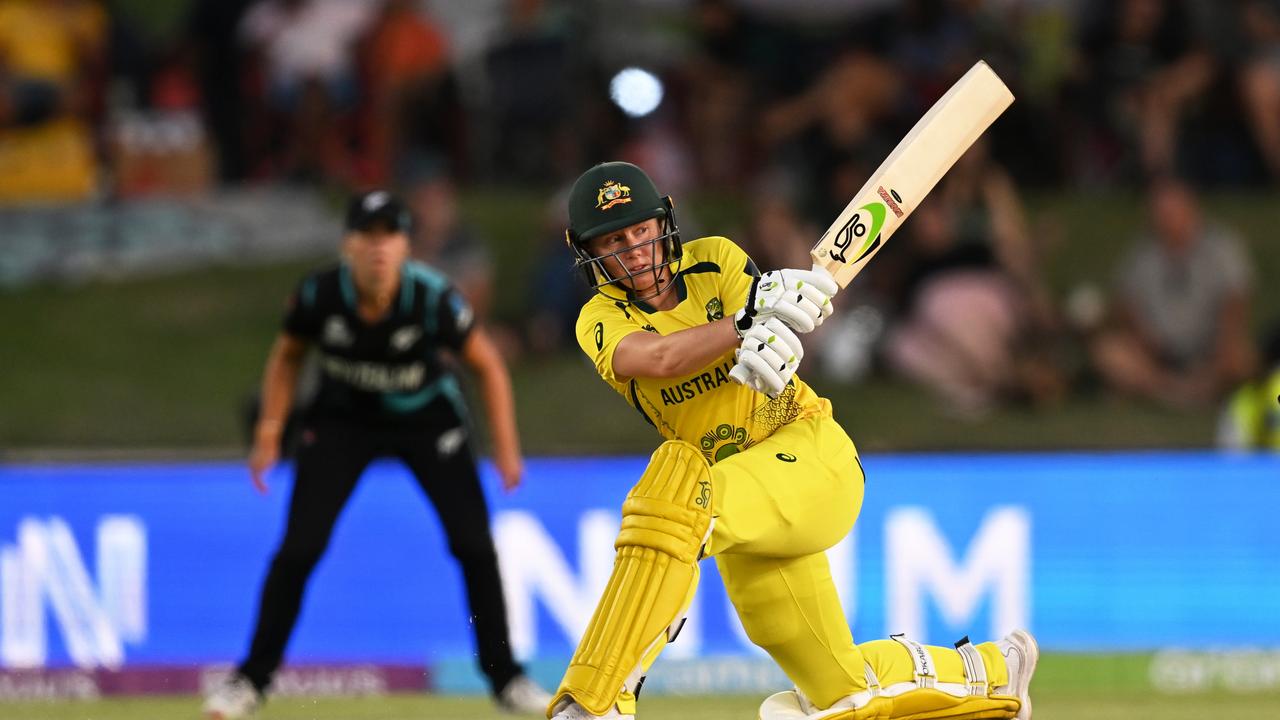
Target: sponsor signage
x=115 y=567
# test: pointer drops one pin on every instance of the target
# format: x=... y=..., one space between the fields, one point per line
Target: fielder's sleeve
x=454 y=320
x=737 y=272
x=301 y=317
x=601 y=326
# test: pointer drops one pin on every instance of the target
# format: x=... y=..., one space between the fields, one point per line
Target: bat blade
x=914 y=167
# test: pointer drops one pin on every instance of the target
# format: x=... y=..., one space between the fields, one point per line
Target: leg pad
x=666 y=520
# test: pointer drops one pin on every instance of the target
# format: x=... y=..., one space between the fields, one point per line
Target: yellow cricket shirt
x=705 y=408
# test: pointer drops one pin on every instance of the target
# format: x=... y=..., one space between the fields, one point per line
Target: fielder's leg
x=665 y=522
x=330 y=460
x=450 y=481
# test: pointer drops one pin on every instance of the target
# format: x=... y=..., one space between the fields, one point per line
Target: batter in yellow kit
x=757 y=475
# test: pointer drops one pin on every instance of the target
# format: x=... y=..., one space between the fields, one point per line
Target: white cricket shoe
x=234 y=699
x=1020 y=653
x=574 y=711
x=522 y=695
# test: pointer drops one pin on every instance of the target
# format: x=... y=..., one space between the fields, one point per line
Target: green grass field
x=1067 y=686
x=1048 y=706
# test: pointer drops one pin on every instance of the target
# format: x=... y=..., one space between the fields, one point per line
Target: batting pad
x=930 y=693
x=919 y=704
x=665 y=522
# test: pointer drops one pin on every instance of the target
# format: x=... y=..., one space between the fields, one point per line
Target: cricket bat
x=919 y=161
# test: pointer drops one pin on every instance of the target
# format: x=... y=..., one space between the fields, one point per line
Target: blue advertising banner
x=119 y=565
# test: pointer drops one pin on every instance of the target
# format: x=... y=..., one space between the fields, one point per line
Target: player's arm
x=278 y=382
x=484 y=360
x=649 y=355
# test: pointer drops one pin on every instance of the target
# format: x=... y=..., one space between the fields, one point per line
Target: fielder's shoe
x=574 y=711
x=234 y=699
x=1020 y=653
x=522 y=695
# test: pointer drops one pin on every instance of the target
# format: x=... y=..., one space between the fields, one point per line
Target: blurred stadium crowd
x=785 y=106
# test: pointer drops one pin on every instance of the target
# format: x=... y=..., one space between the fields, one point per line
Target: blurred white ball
x=637 y=91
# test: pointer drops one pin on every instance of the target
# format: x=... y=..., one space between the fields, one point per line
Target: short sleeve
x=738 y=272
x=601 y=326
x=455 y=319
x=301 y=318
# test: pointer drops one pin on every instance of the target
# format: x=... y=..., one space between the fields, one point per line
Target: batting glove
x=768 y=357
x=800 y=298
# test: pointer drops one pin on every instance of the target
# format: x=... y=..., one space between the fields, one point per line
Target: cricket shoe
x=1020 y=653
x=574 y=711
x=522 y=695
x=234 y=699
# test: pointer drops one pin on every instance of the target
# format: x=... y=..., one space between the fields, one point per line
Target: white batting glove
x=768 y=357
x=800 y=298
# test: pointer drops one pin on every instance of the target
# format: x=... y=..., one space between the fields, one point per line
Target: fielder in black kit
x=380 y=323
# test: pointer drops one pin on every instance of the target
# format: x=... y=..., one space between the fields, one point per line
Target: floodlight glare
x=637 y=91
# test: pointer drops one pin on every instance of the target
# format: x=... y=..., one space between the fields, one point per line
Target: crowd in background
x=787 y=106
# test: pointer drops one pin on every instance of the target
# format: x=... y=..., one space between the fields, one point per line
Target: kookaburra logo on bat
x=856 y=229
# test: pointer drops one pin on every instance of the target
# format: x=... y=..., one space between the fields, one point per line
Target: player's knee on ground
x=665 y=522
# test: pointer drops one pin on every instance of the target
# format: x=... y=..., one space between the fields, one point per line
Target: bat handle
x=741 y=375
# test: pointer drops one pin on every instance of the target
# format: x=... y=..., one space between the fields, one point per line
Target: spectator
x=719 y=75
x=777 y=236
x=306 y=51
x=50 y=52
x=973 y=313
x=412 y=99
x=1179 y=331
x=530 y=85
x=556 y=293
x=1145 y=64
x=836 y=132
x=1260 y=77
x=441 y=239
x=211 y=31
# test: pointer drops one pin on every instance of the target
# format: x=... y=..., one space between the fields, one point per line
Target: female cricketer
x=380 y=324
x=757 y=475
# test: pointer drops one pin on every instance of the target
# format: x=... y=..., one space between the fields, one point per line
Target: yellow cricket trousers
x=778 y=506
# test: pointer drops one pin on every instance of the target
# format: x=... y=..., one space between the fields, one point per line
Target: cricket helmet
x=610 y=197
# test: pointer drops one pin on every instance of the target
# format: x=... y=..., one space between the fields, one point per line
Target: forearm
x=500 y=410
x=680 y=353
x=278 y=381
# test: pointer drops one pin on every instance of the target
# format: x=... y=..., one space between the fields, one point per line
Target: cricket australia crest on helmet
x=612 y=193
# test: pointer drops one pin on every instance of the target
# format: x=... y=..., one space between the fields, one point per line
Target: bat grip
x=740 y=374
